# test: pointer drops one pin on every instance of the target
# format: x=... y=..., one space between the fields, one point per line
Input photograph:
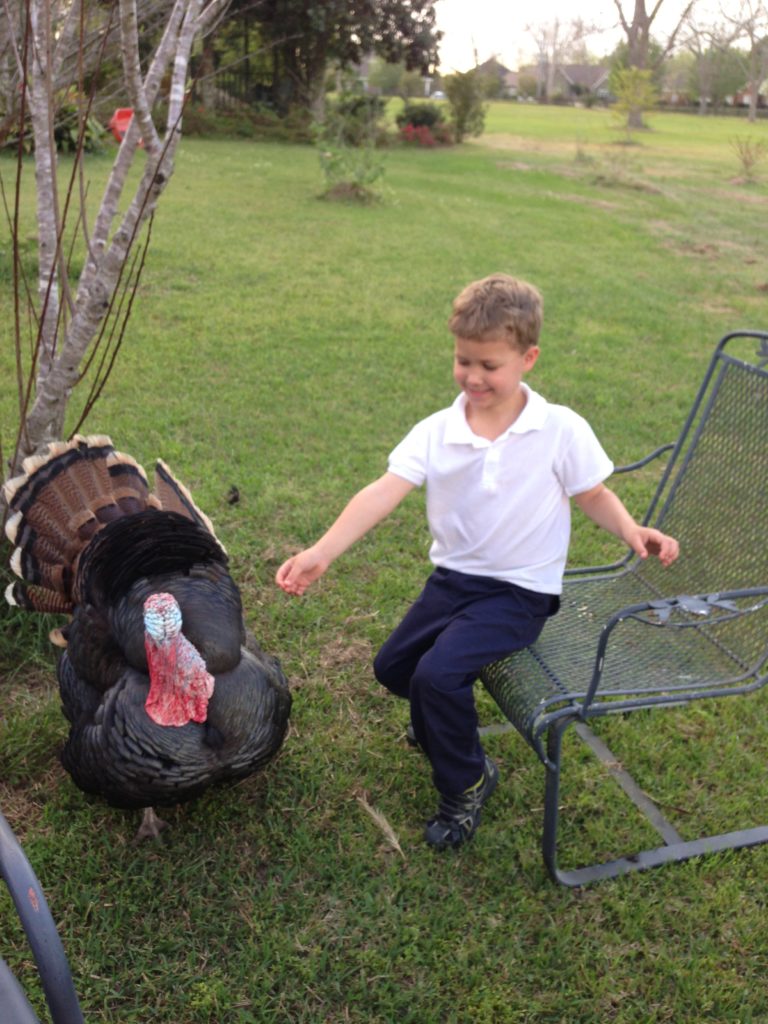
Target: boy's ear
x=530 y=357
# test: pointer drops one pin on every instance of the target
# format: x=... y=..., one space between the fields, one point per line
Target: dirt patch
x=600 y=204
x=749 y=198
x=513 y=165
x=344 y=652
x=349 y=192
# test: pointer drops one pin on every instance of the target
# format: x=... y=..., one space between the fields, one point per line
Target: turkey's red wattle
x=180 y=685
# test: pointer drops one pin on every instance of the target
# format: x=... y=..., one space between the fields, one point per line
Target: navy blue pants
x=457 y=625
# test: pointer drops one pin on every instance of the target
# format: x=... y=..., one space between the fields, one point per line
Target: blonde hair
x=498 y=304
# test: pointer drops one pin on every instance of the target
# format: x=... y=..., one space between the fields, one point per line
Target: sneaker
x=457 y=817
x=410 y=737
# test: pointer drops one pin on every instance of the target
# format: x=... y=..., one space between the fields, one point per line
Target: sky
x=499 y=27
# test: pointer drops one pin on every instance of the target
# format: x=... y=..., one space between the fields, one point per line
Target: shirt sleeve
x=583 y=462
x=409 y=458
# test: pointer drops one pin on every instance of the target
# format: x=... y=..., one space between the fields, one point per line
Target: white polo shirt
x=501 y=508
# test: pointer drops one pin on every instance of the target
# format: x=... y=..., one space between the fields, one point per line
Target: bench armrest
x=621 y=562
x=630 y=466
x=683 y=611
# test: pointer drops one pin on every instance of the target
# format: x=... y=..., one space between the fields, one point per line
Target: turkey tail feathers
x=36 y=599
x=176 y=498
x=64 y=497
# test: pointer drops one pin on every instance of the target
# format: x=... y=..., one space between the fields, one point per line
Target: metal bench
x=43 y=938
x=634 y=635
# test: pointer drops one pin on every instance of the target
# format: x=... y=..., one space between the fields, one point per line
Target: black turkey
x=165 y=690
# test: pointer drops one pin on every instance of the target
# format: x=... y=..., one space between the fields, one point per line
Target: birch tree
x=69 y=317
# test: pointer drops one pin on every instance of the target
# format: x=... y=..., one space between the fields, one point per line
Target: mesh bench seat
x=636 y=635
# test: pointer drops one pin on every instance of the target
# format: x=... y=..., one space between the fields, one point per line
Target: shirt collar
x=458 y=430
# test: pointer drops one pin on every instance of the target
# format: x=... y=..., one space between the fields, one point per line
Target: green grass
x=285 y=344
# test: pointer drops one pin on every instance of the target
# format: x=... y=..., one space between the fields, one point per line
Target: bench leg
x=674 y=848
x=41 y=931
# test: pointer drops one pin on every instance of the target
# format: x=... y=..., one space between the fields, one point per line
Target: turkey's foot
x=57 y=637
x=151 y=826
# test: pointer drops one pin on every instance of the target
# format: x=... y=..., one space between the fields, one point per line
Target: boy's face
x=489 y=372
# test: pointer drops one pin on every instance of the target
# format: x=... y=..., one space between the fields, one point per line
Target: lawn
x=285 y=344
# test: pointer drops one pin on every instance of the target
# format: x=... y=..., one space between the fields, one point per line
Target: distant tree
x=728 y=76
x=465 y=92
x=709 y=43
x=637 y=28
x=557 y=43
x=385 y=78
x=634 y=91
x=656 y=63
x=678 y=79
x=751 y=23
x=305 y=36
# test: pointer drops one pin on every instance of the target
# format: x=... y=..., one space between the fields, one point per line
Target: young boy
x=500 y=466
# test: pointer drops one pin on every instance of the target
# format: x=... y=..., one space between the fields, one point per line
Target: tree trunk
x=41 y=116
x=63 y=342
x=207 y=77
x=638 y=33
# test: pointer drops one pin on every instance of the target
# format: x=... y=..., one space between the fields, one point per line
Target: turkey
x=165 y=691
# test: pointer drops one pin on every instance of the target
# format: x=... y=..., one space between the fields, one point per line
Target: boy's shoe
x=458 y=816
x=410 y=737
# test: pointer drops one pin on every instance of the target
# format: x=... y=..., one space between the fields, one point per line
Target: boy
x=500 y=466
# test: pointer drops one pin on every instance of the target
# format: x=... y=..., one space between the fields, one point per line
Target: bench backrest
x=714 y=495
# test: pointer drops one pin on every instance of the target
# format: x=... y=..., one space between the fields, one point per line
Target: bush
x=423 y=135
x=357 y=120
x=348 y=143
x=66 y=127
x=260 y=123
x=420 y=115
x=464 y=90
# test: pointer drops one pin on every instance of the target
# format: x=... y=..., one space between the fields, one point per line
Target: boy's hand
x=607 y=510
x=647 y=541
x=296 y=574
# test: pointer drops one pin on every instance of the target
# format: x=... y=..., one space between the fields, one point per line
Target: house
x=569 y=82
x=578 y=81
x=741 y=98
x=502 y=82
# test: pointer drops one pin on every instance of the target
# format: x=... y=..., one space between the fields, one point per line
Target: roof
x=586 y=76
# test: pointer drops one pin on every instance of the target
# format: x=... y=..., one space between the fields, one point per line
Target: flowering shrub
x=422 y=135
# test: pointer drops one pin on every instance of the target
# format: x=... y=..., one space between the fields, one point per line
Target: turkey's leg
x=151 y=826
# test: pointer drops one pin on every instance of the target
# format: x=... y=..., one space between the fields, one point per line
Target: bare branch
x=83 y=335
x=129 y=45
x=624 y=23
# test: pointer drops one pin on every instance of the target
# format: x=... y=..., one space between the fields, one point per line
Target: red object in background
x=119 y=122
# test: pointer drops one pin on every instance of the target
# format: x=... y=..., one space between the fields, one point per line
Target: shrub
x=419 y=115
x=464 y=90
x=357 y=120
x=750 y=153
x=347 y=146
x=66 y=127
x=260 y=122
x=423 y=135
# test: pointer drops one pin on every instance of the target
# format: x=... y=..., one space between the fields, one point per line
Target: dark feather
x=92 y=538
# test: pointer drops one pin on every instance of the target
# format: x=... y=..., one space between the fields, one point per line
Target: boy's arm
x=364 y=511
x=607 y=510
